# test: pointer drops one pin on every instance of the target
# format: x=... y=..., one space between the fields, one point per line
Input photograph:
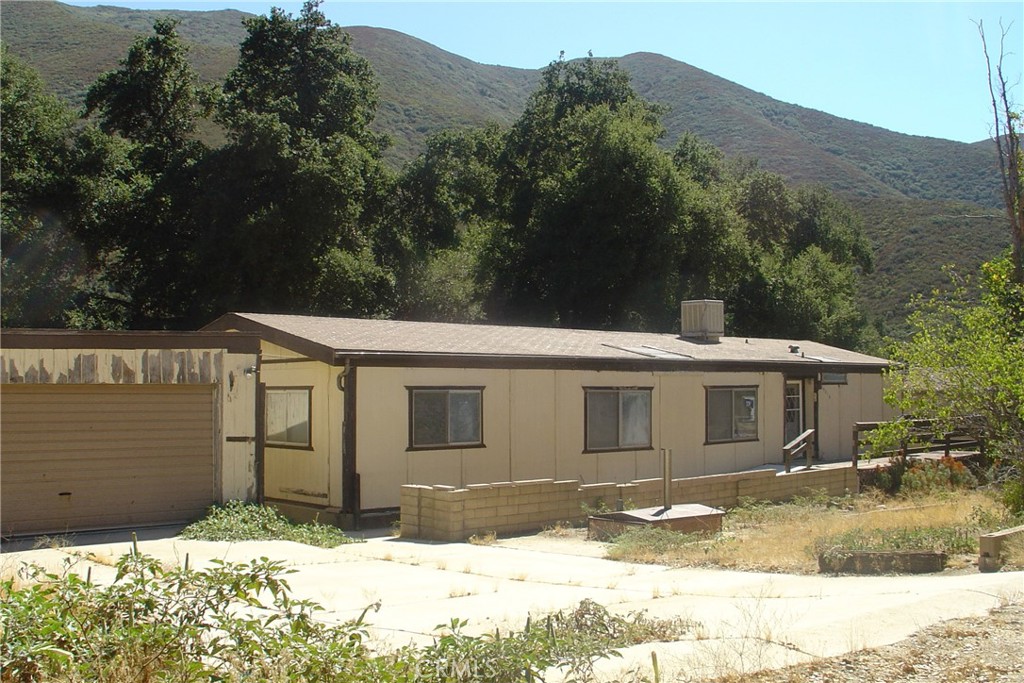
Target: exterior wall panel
x=840 y=405
x=533 y=403
x=384 y=461
x=295 y=474
x=533 y=427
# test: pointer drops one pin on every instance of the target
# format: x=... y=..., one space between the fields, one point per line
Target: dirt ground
x=989 y=649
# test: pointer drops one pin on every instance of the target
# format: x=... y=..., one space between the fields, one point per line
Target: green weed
x=223 y=623
x=236 y=622
x=237 y=521
x=959 y=539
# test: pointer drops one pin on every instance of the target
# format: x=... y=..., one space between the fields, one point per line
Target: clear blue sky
x=912 y=67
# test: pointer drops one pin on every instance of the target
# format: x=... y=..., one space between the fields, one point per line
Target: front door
x=794 y=410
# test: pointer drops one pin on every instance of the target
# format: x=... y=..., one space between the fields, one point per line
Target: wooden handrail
x=923 y=430
x=794 y=447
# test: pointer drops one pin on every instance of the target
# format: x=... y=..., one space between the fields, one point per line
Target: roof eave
x=297 y=343
x=462 y=360
x=39 y=338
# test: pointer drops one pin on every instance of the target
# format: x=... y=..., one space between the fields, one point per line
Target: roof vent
x=794 y=348
x=703 y=319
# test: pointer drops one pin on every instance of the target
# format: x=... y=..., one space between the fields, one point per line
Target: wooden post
x=856 y=446
x=261 y=441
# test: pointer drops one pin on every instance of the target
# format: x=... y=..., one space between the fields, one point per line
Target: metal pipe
x=666 y=474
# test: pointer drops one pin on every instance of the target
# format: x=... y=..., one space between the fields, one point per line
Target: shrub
x=235 y=622
x=151 y=623
x=1012 y=486
x=238 y=521
x=931 y=476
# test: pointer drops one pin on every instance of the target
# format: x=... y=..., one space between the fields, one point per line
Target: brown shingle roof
x=339 y=337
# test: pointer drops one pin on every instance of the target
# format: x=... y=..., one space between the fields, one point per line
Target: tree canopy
x=963 y=367
x=573 y=215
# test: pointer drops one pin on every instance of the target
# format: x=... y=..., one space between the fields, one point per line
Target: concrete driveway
x=748 y=621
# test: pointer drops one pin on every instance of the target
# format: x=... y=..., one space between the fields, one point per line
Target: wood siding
x=81 y=457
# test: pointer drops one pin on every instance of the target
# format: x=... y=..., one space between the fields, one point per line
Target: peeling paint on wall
x=11 y=374
x=84 y=369
x=159 y=366
x=204 y=368
x=120 y=371
x=166 y=366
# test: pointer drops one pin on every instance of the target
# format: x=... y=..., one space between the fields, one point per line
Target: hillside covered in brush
x=925 y=202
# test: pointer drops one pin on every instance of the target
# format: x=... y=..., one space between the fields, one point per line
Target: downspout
x=817 y=430
x=349 y=476
x=259 y=456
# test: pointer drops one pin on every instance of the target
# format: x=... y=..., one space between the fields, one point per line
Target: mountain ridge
x=904 y=185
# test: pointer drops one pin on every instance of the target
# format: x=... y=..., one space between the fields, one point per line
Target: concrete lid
x=661 y=513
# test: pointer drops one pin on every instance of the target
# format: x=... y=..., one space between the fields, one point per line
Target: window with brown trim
x=445 y=417
x=617 y=418
x=288 y=417
x=731 y=414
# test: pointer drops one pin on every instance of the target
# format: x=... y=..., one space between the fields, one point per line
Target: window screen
x=288 y=417
x=618 y=419
x=731 y=414
x=445 y=417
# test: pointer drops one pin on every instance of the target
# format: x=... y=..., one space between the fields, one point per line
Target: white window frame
x=450 y=441
x=740 y=422
x=797 y=410
x=621 y=443
x=297 y=410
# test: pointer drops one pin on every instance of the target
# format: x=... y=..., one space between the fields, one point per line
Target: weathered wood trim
x=234 y=342
x=100 y=365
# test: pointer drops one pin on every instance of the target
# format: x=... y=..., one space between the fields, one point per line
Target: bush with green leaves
x=932 y=476
x=570 y=641
x=238 y=521
x=234 y=622
x=963 y=366
x=226 y=622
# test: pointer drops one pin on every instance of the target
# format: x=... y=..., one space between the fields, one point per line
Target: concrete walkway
x=747 y=621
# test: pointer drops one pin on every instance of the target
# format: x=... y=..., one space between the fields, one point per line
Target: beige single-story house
x=357 y=408
x=102 y=430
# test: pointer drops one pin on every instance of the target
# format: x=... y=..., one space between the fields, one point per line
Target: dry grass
x=769 y=537
x=488 y=538
x=1013 y=552
x=560 y=529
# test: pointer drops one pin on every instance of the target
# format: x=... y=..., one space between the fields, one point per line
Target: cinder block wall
x=445 y=513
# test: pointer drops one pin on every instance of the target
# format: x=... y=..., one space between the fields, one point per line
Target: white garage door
x=77 y=457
